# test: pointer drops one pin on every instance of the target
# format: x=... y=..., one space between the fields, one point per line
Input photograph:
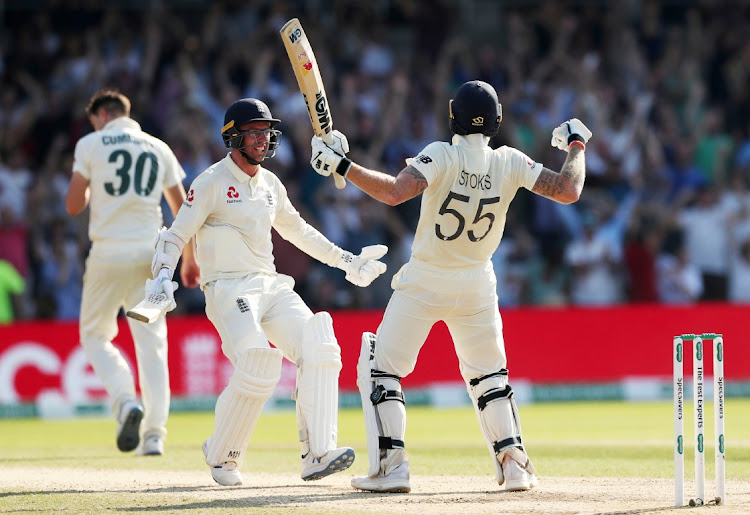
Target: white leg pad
x=238 y=408
x=498 y=417
x=384 y=412
x=318 y=385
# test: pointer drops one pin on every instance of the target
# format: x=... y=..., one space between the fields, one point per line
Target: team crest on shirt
x=233 y=195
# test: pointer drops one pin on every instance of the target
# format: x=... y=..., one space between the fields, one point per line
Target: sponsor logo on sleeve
x=189 y=198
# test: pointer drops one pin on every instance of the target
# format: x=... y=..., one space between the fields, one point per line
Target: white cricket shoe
x=331 y=462
x=516 y=478
x=129 y=425
x=151 y=445
x=397 y=481
x=225 y=474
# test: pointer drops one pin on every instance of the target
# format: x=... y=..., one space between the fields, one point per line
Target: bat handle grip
x=339 y=181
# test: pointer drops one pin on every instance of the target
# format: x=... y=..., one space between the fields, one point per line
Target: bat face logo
x=295 y=35
x=307 y=64
x=321 y=110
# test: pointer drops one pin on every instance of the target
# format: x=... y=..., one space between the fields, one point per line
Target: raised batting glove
x=569 y=132
x=363 y=269
x=328 y=158
x=163 y=284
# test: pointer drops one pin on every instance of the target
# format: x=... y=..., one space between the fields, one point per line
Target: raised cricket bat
x=310 y=83
x=149 y=309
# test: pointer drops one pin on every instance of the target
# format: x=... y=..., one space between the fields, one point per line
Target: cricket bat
x=310 y=83
x=150 y=309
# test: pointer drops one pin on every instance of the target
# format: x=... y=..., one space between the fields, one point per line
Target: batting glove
x=363 y=269
x=163 y=285
x=569 y=132
x=327 y=158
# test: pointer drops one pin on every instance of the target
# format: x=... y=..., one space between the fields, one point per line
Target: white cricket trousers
x=250 y=311
x=107 y=287
x=465 y=299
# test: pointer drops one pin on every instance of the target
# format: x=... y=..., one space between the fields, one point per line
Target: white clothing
x=127 y=170
x=249 y=312
x=739 y=281
x=106 y=288
x=598 y=285
x=463 y=211
x=232 y=215
x=465 y=299
x=450 y=275
x=677 y=283
x=707 y=236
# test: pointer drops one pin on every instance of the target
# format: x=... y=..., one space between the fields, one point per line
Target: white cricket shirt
x=127 y=170
x=232 y=214
x=463 y=211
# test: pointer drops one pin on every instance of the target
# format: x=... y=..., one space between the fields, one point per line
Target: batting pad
x=497 y=412
x=385 y=421
x=238 y=408
x=318 y=384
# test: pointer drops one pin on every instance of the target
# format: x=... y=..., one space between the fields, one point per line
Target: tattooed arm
x=564 y=187
x=388 y=189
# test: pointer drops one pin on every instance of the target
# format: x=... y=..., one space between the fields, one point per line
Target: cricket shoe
x=516 y=478
x=225 y=474
x=152 y=444
x=395 y=482
x=331 y=462
x=129 y=426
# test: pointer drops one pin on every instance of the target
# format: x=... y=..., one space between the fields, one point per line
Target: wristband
x=578 y=143
x=343 y=167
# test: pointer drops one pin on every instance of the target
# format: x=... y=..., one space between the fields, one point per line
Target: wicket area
x=678 y=353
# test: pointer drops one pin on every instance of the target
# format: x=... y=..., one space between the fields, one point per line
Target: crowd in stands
x=663 y=85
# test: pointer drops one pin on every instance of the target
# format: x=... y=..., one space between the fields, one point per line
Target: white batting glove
x=338 y=142
x=330 y=158
x=568 y=132
x=163 y=285
x=363 y=269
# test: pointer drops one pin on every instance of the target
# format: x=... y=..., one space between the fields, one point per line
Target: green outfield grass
x=592 y=439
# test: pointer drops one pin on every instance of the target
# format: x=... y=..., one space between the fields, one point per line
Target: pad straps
x=386 y=442
x=380 y=394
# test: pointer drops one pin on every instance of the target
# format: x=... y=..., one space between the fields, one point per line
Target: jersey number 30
x=445 y=210
x=123 y=172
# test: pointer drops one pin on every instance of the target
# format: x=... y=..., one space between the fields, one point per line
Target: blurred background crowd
x=663 y=85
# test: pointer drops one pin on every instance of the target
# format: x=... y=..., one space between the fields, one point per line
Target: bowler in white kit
x=120 y=172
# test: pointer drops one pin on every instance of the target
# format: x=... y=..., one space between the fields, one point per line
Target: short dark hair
x=111 y=100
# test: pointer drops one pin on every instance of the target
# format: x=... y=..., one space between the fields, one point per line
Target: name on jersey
x=122 y=138
x=475 y=181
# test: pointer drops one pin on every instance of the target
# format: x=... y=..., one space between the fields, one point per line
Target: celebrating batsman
x=231 y=208
x=467 y=189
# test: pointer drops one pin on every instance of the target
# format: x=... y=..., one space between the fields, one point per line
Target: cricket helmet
x=475 y=110
x=244 y=111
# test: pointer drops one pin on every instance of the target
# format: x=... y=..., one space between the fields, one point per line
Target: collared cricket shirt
x=232 y=214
